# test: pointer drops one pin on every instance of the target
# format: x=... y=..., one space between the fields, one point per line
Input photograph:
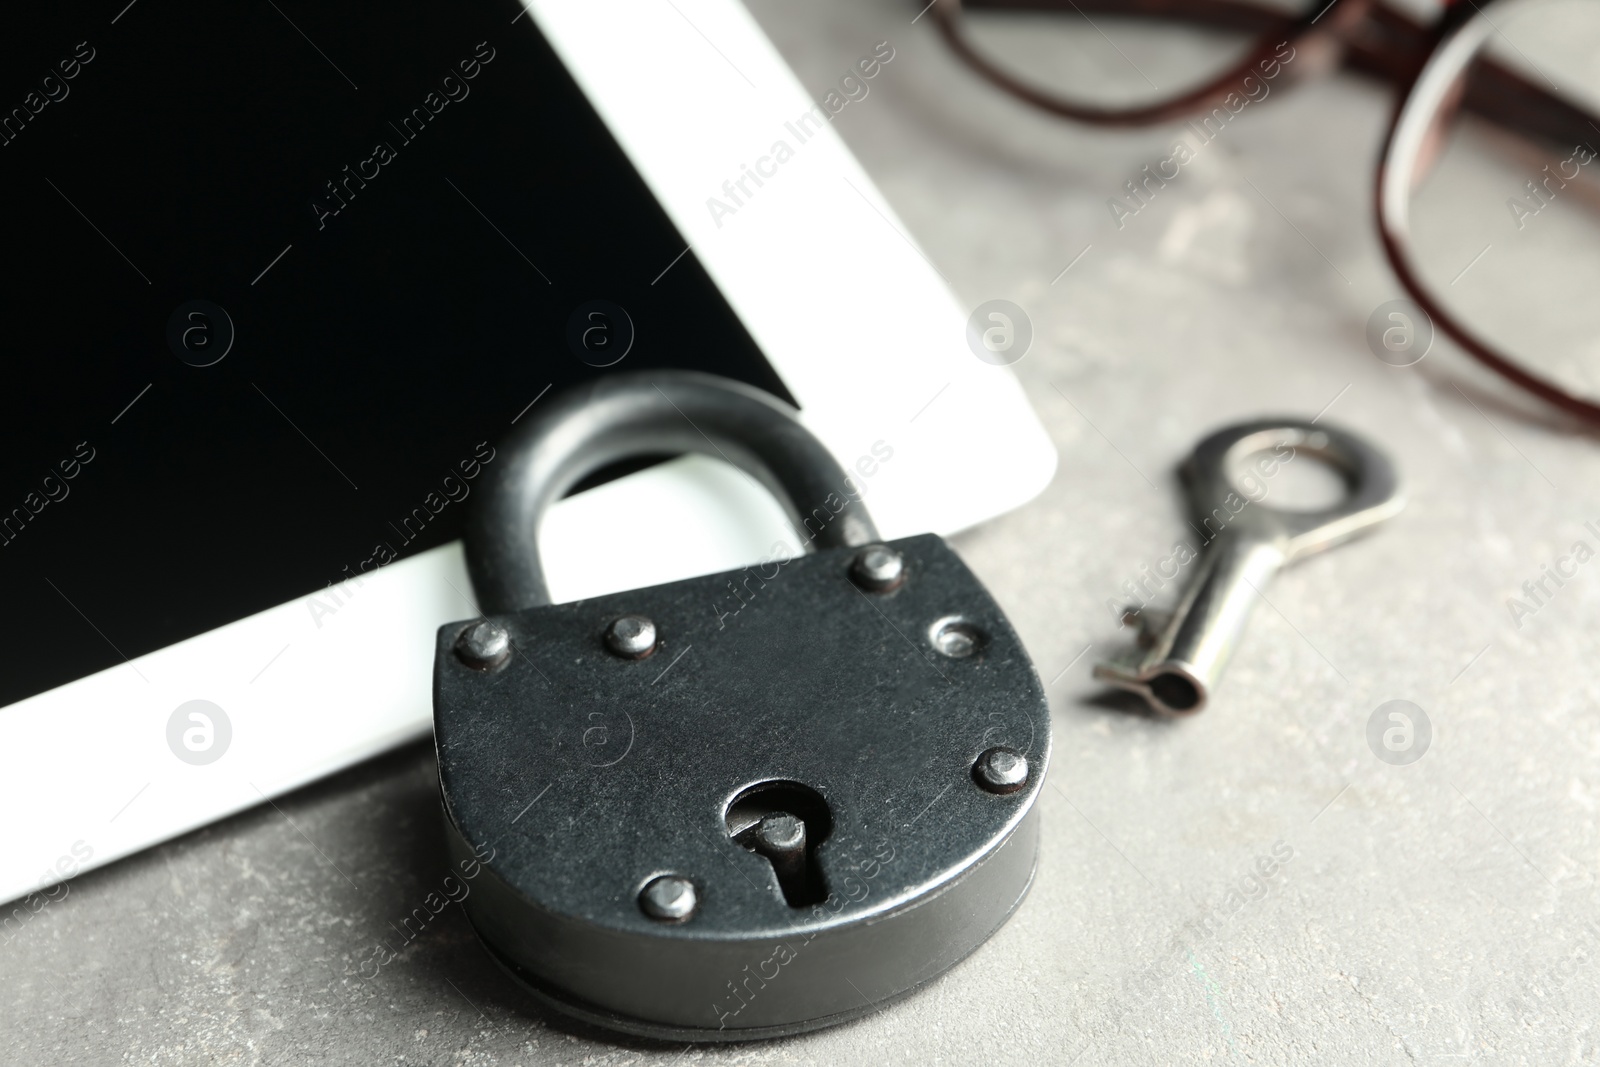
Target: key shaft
x=1177 y=673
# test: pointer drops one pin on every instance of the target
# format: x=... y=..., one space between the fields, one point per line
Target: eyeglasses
x=1488 y=186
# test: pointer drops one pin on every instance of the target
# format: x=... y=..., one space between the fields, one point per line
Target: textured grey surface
x=1438 y=912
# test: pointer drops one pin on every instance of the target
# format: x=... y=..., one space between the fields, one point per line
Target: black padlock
x=700 y=825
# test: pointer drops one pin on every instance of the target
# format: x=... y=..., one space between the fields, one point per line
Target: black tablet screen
x=273 y=270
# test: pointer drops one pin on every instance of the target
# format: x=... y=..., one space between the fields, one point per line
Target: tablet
x=283 y=278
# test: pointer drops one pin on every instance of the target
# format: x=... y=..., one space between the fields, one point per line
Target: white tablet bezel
x=851 y=315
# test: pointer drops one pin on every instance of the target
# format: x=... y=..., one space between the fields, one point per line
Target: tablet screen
x=279 y=276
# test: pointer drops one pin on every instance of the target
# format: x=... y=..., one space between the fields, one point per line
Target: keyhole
x=785 y=822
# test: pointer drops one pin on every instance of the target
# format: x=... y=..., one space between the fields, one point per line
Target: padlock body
x=576 y=776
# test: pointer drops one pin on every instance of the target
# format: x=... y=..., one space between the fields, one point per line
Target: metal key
x=1183 y=655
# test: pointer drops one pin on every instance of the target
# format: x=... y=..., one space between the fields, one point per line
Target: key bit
x=1148 y=624
x=1181 y=656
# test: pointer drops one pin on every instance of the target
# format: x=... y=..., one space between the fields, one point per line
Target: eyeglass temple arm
x=1217 y=14
x=1388 y=44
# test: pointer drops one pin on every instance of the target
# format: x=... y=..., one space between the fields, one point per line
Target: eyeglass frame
x=1428 y=64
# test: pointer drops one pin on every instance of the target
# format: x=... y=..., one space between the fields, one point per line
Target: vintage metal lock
x=701 y=825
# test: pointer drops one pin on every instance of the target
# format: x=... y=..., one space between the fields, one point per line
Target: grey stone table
x=1251 y=885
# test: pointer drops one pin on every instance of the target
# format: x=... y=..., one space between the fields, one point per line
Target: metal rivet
x=1001 y=770
x=632 y=637
x=956 y=638
x=669 y=899
x=878 y=569
x=484 y=645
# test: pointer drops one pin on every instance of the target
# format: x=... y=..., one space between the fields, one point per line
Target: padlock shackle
x=572 y=435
